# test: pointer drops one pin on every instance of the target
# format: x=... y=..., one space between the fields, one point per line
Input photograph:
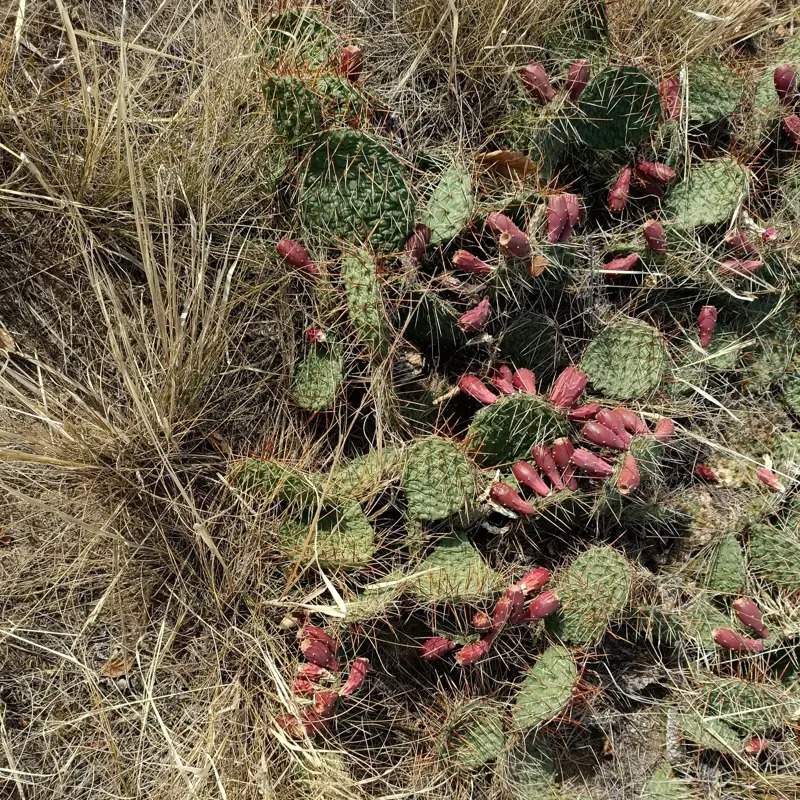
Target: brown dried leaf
x=7 y=342
x=116 y=667
x=508 y=162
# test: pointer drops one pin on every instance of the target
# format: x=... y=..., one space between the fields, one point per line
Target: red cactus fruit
x=563 y=213
x=755 y=745
x=504 y=371
x=611 y=419
x=505 y=496
x=513 y=241
x=655 y=171
x=502 y=384
x=302 y=687
x=631 y=421
x=537 y=83
x=704 y=472
x=730 y=640
x=312 y=721
x=568 y=387
x=599 y=434
x=296 y=255
x=591 y=464
x=706 y=322
x=469 y=263
x=436 y=647
x=737 y=240
x=749 y=614
x=621 y=264
x=629 y=478
x=471 y=653
x=785 y=80
x=619 y=191
x=357 y=672
x=669 y=90
x=481 y=621
x=577 y=78
x=312 y=672
x=534 y=580
x=655 y=237
x=562 y=454
x=524 y=380
x=476 y=318
x=664 y=430
x=507 y=608
x=543 y=605
x=318 y=647
x=417 y=243
x=325 y=703
x=791 y=125
x=544 y=460
x=529 y=477
x=582 y=413
x=769 y=479
x=739 y=266
x=315 y=335
x=769 y=235
x=291 y=725
x=351 y=62
x=475 y=388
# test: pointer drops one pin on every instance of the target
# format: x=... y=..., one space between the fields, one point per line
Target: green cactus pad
x=766 y=105
x=355 y=189
x=506 y=430
x=365 y=475
x=714 y=91
x=725 y=567
x=775 y=556
x=538 y=132
x=473 y=735
x=433 y=326
x=709 y=195
x=295 y=37
x=374 y=601
x=340 y=101
x=699 y=619
x=663 y=785
x=708 y=733
x=296 y=112
x=531 y=771
x=364 y=301
x=450 y=205
x=649 y=455
x=746 y=706
x=593 y=590
x=454 y=572
x=791 y=393
x=546 y=690
x=627 y=360
x=344 y=539
x=278 y=481
x=533 y=341
x=439 y=480
x=619 y=107
x=318 y=379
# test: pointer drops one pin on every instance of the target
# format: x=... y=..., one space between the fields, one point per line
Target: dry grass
x=141 y=648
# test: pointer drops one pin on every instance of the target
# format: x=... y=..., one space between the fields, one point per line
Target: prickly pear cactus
x=663 y=785
x=439 y=480
x=531 y=773
x=594 y=590
x=506 y=430
x=296 y=111
x=365 y=475
x=546 y=690
x=433 y=326
x=698 y=620
x=725 y=567
x=714 y=91
x=318 y=378
x=473 y=735
x=364 y=301
x=708 y=195
x=707 y=732
x=450 y=205
x=626 y=360
x=354 y=189
x=297 y=37
x=277 y=481
x=775 y=556
x=747 y=706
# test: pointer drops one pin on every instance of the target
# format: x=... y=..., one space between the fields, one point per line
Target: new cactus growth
x=476 y=318
x=577 y=78
x=706 y=323
x=619 y=191
x=728 y=639
x=749 y=614
x=537 y=83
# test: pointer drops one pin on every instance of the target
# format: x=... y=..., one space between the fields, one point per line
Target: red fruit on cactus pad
x=632 y=421
x=476 y=318
x=315 y=335
x=704 y=472
x=621 y=264
x=513 y=241
x=737 y=240
x=577 y=78
x=296 y=255
x=730 y=640
x=357 y=672
x=619 y=191
x=302 y=687
x=629 y=478
x=769 y=479
x=537 y=83
x=481 y=621
x=664 y=430
x=706 y=323
x=543 y=605
x=785 y=80
x=502 y=384
x=507 y=608
x=544 y=460
x=524 y=380
x=470 y=263
x=505 y=496
x=476 y=389
x=749 y=614
x=436 y=647
x=655 y=237
x=599 y=434
x=582 y=413
x=471 y=653
x=351 y=62
x=611 y=419
x=563 y=213
x=755 y=745
x=312 y=672
x=529 y=477
x=317 y=653
x=669 y=90
x=562 y=454
x=591 y=464
x=417 y=243
x=655 y=171
x=568 y=387
x=739 y=266
x=791 y=125
x=534 y=580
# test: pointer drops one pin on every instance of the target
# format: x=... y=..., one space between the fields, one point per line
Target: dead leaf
x=6 y=539
x=7 y=342
x=508 y=162
x=537 y=266
x=116 y=667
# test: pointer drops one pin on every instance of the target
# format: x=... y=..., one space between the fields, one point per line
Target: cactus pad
x=791 y=393
x=535 y=131
x=318 y=378
x=699 y=619
x=532 y=341
x=365 y=475
x=546 y=690
x=708 y=196
x=344 y=539
x=714 y=91
x=296 y=112
x=355 y=189
x=747 y=706
x=297 y=36
x=450 y=205
x=374 y=601
x=340 y=101
x=620 y=107
x=473 y=735
x=506 y=431
x=531 y=771
x=775 y=556
x=454 y=572
x=364 y=301
x=725 y=567
x=663 y=785
x=708 y=733
x=594 y=590
x=433 y=326
x=278 y=481
x=439 y=480
x=626 y=360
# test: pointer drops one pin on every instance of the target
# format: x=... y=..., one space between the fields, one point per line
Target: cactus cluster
x=648 y=288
